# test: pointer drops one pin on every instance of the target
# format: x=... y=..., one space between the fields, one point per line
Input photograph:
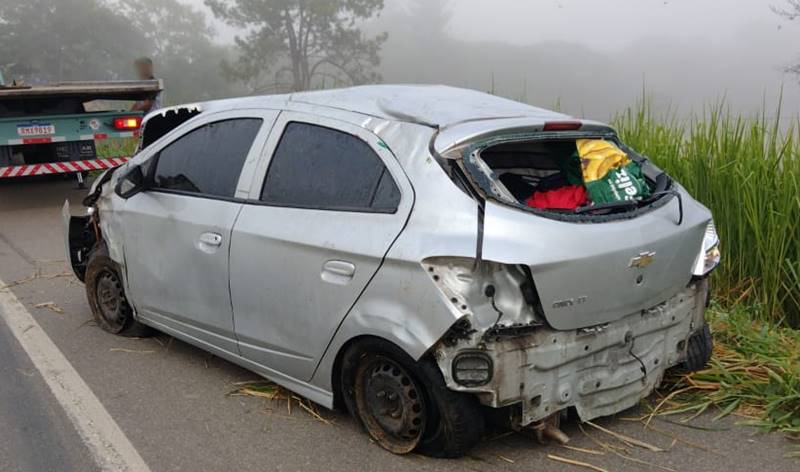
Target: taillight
x=562 y=126
x=127 y=122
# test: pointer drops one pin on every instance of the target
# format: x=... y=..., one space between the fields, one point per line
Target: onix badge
x=643 y=260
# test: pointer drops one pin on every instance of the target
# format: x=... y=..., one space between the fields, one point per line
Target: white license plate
x=36 y=130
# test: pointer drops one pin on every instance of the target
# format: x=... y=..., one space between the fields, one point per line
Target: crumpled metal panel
x=597 y=371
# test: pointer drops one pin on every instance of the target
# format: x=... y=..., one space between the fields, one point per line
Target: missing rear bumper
x=598 y=371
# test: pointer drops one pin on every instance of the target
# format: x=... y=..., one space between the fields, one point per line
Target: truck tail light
x=127 y=123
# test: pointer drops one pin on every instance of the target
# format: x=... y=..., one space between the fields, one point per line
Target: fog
x=593 y=58
x=596 y=57
x=590 y=58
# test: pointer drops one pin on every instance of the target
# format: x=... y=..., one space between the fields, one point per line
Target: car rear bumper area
x=599 y=371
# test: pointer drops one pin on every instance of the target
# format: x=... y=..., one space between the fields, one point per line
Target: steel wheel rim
x=390 y=404
x=110 y=299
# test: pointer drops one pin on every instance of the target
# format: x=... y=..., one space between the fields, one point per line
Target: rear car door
x=177 y=233
x=333 y=201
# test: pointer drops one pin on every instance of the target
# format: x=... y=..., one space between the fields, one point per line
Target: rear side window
x=321 y=168
x=208 y=160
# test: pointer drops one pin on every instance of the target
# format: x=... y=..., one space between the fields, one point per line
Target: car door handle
x=210 y=240
x=338 y=272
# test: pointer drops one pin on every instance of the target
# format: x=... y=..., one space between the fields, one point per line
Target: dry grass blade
x=38 y=275
x=681 y=440
x=586 y=465
x=50 y=306
x=130 y=351
x=626 y=439
x=622 y=455
x=310 y=409
x=504 y=458
x=275 y=393
x=593 y=452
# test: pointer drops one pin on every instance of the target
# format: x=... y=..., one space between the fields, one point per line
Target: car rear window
x=322 y=168
x=208 y=160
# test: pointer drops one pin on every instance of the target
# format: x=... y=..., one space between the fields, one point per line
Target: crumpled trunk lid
x=588 y=274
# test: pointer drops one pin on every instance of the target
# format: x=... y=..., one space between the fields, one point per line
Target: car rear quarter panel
x=401 y=304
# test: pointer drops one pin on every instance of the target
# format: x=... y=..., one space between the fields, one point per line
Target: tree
x=180 y=41
x=791 y=11
x=47 y=40
x=301 y=44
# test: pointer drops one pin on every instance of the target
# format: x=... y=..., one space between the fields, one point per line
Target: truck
x=54 y=128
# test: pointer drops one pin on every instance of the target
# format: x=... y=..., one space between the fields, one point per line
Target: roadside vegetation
x=116 y=147
x=747 y=171
x=754 y=374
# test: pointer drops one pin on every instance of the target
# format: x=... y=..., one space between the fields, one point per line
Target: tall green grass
x=116 y=147
x=747 y=171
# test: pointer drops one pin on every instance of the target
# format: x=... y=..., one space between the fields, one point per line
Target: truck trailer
x=53 y=129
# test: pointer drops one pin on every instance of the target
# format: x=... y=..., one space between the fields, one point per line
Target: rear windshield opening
x=568 y=176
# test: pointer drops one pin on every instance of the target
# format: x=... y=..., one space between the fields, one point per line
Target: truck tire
x=106 y=295
x=405 y=405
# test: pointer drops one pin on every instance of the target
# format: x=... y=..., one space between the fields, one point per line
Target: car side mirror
x=131 y=183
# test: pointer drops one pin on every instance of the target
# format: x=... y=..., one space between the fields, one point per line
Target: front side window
x=207 y=160
x=321 y=168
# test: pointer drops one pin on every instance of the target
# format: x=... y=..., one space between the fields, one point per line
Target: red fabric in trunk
x=563 y=198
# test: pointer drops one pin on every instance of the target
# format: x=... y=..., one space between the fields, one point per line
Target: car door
x=177 y=233
x=332 y=202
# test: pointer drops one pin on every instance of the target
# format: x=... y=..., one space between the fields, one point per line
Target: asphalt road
x=172 y=400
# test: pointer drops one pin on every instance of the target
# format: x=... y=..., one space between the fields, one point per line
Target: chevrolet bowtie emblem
x=643 y=260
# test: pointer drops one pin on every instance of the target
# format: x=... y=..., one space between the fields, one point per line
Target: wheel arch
x=339 y=361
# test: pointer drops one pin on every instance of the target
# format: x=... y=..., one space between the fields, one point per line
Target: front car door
x=177 y=233
x=332 y=202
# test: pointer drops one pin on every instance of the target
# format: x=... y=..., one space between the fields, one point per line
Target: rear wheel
x=405 y=405
x=107 y=299
x=699 y=350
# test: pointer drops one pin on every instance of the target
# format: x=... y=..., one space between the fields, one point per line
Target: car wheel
x=405 y=405
x=699 y=350
x=107 y=299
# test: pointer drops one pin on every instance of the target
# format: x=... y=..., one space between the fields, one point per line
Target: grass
x=747 y=171
x=754 y=373
x=116 y=147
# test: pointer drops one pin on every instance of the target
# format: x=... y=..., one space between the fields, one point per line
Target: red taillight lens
x=562 y=126
x=127 y=122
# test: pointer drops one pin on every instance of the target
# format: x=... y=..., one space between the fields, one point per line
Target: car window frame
x=241 y=192
x=381 y=151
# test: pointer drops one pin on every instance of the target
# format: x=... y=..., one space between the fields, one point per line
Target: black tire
x=452 y=422
x=699 y=350
x=106 y=296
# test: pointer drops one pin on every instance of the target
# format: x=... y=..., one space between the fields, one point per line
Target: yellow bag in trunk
x=598 y=157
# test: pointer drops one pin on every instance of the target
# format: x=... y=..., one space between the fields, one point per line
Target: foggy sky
x=686 y=52
x=613 y=24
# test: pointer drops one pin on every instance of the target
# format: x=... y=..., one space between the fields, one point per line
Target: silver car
x=371 y=249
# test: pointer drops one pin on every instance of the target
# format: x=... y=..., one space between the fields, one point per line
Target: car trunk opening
x=639 y=254
x=586 y=177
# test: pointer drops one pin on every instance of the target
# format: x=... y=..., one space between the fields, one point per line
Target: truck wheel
x=405 y=405
x=107 y=299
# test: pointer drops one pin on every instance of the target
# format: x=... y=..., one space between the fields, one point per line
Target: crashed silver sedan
x=421 y=256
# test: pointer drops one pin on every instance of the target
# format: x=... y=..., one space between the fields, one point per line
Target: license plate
x=41 y=129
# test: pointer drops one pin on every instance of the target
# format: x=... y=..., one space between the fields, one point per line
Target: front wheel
x=405 y=405
x=107 y=299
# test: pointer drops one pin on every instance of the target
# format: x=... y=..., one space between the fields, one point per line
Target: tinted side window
x=318 y=167
x=207 y=160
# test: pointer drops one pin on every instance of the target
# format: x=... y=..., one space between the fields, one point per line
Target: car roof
x=432 y=105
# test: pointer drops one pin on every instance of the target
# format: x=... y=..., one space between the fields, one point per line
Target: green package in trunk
x=620 y=184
